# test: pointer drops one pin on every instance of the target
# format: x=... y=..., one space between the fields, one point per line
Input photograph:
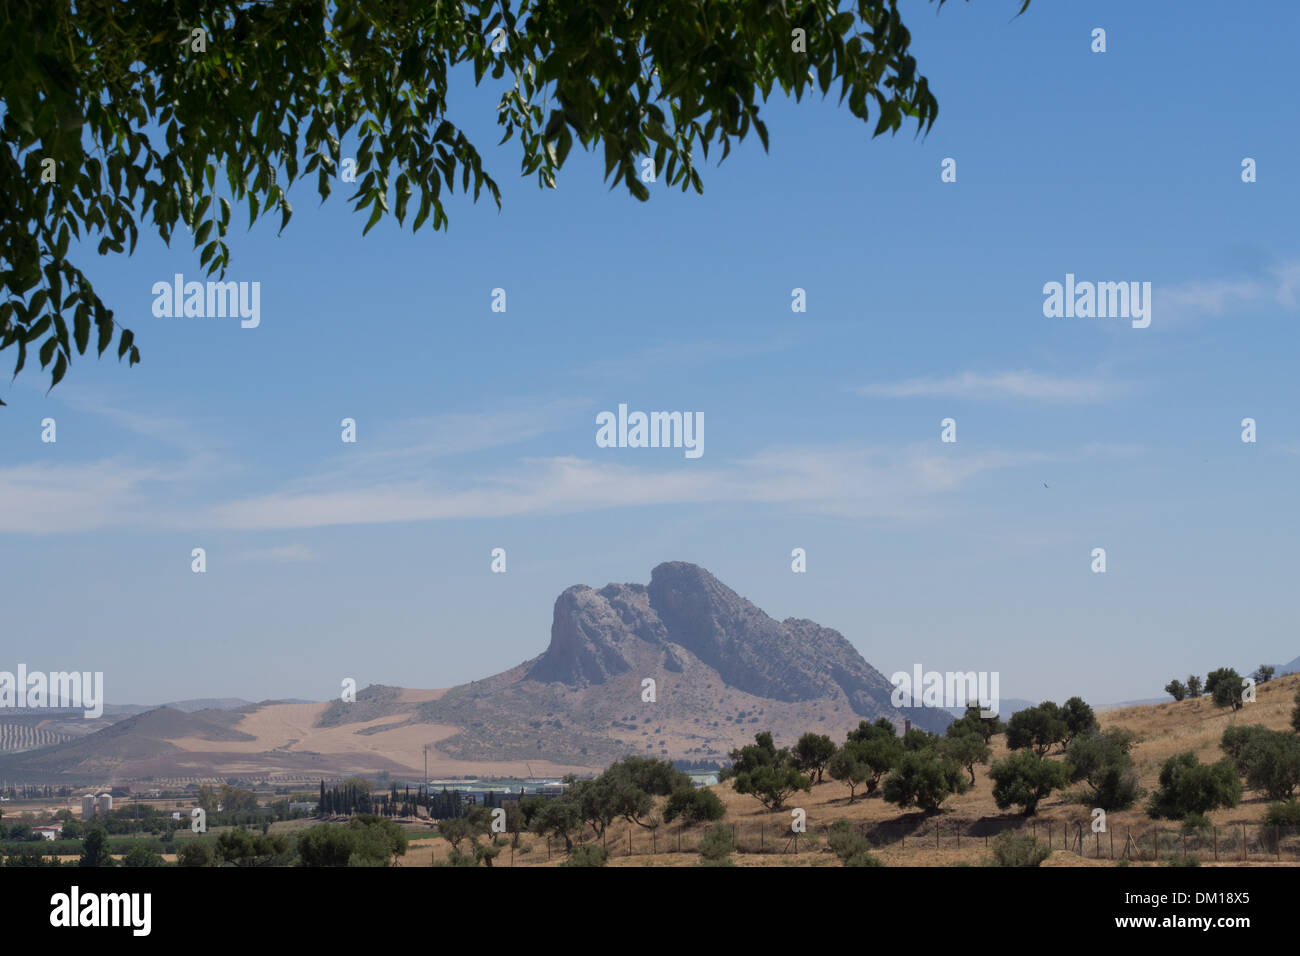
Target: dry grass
x=1163 y=730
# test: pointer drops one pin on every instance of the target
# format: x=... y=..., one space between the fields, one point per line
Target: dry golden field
x=961 y=832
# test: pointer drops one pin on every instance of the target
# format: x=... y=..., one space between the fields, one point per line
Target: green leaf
x=60 y=367
x=81 y=327
x=47 y=350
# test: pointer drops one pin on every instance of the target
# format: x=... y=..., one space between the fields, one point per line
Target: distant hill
x=1143 y=702
x=130 y=741
x=187 y=706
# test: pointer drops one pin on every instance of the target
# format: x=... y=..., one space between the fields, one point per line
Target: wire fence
x=1240 y=842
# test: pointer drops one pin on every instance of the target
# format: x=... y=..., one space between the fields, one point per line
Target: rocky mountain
x=688 y=613
x=722 y=669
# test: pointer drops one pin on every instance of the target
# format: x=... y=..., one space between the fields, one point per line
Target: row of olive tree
x=921 y=769
x=1225 y=686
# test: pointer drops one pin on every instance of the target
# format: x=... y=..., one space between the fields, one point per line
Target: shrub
x=694 y=806
x=850 y=846
x=1236 y=738
x=1178 y=859
x=1272 y=763
x=194 y=853
x=456 y=858
x=588 y=855
x=1189 y=786
x=1011 y=849
x=140 y=855
x=924 y=779
x=716 y=847
x=1102 y=761
x=1283 y=814
x=1023 y=779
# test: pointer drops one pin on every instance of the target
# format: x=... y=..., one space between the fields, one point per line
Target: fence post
x=1243 y=841
x=1216 y=843
x=936 y=834
x=1156 y=851
x=629 y=841
x=760 y=838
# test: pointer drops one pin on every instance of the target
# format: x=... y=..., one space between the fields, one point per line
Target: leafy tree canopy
x=1023 y=779
x=761 y=770
x=1188 y=786
x=158 y=115
x=1037 y=727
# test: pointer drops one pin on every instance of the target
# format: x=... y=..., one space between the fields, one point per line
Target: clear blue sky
x=476 y=429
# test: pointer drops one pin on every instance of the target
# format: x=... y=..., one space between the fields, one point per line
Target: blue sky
x=476 y=429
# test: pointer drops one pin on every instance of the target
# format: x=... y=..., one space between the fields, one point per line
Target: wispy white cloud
x=50 y=498
x=396 y=450
x=851 y=481
x=999 y=385
x=284 y=554
x=1280 y=287
x=906 y=482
